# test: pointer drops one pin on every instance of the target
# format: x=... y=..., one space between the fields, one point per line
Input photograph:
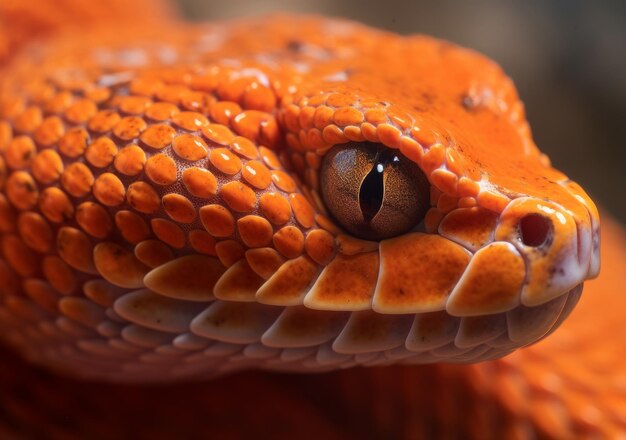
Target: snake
x=183 y=205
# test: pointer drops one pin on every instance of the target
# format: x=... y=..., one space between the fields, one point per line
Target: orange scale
x=130 y=160
x=225 y=161
x=334 y=135
x=433 y=158
x=179 y=208
x=80 y=111
x=202 y=242
x=411 y=149
x=407 y=284
x=108 y=189
x=270 y=158
x=305 y=119
x=162 y=111
x=238 y=196
x=353 y=133
x=222 y=112
x=20 y=152
x=21 y=190
x=191 y=121
x=55 y=205
x=291 y=115
x=134 y=105
x=74 y=142
x=232 y=89
x=217 y=220
x=467 y=202
x=28 y=120
x=256 y=174
x=220 y=134
x=197 y=101
x=94 y=219
x=445 y=180
x=133 y=228
x=302 y=210
x=129 y=127
x=468 y=187
x=289 y=284
x=376 y=116
x=275 y=207
x=289 y=241
x=229 y=252
x=347 y=283
x=259 y=97
x=370 y=132
x=104 y=121
x=153 y=253
x=255 y=231
x=77 y=179
x=119 y=266
x=340 y=100
x=49 y=132
x=239 y=283
x=168 y=232
x=161 y=169
x=158 y=136
x=190 y=147
x=101 y=152
x=143 y=197
x=244 y=147
x=389 y=135
x=314 y=139
x=491 y=284
x=20 y=257
x=471 y=227
x=347 y=116
x=322 y=117
x=399 y=118
x=59 y=274
x=492 y=201
x=264 y=261
x=249 y=123
x=200 y=182
x=75 y=248
x=270 y=133
x=35 y=231
x=320 y=246
x=426 y=138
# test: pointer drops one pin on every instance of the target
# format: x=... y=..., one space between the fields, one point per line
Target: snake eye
x=373 y=191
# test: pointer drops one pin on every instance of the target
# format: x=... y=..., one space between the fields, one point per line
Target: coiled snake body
x=183 y=205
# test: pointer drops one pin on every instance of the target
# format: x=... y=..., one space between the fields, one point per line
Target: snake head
x=334 y=196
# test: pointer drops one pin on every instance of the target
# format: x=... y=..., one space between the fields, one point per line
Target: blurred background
x=567 y=58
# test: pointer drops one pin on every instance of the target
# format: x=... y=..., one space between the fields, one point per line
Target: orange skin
x=537 y=390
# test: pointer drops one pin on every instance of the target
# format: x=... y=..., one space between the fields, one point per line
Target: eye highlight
x=373 y=191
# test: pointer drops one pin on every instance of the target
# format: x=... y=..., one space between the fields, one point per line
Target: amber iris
x=373 y=191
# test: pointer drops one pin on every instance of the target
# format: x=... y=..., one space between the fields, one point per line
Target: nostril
x=535 y=229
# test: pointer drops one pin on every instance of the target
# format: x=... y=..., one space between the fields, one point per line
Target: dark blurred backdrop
x=567 y=57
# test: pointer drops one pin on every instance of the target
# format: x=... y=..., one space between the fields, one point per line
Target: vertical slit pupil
x=371 y=192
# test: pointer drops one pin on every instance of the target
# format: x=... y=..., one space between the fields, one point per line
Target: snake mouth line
x=221 y=340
